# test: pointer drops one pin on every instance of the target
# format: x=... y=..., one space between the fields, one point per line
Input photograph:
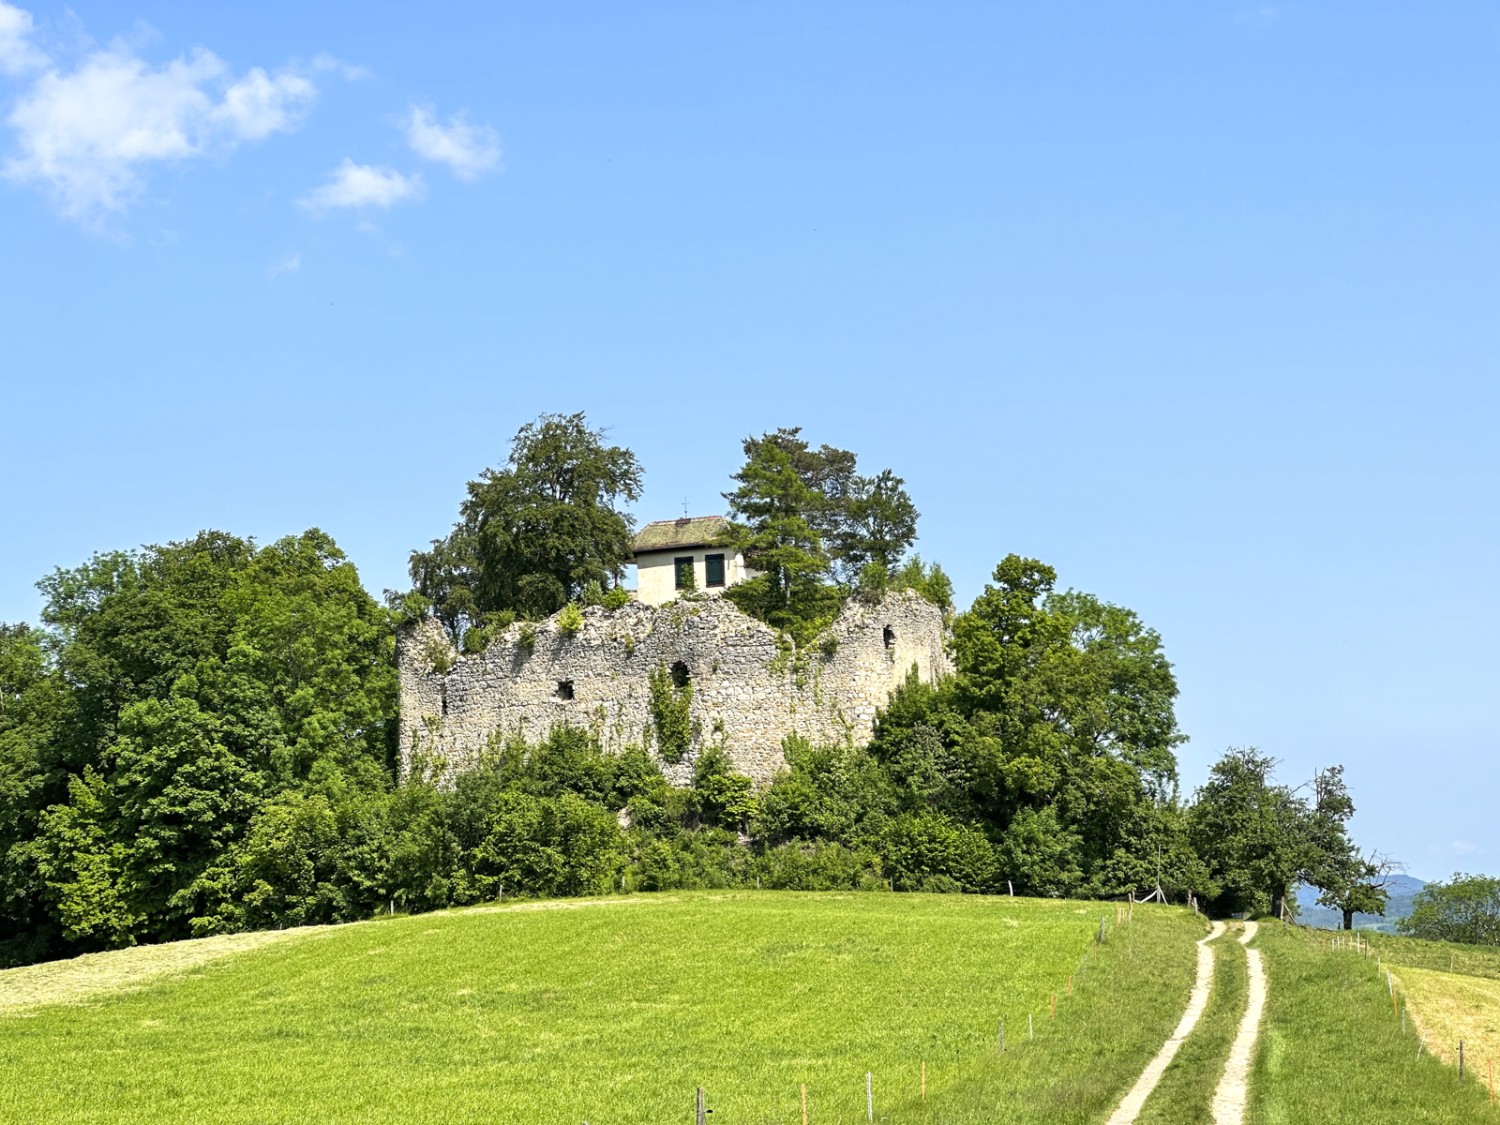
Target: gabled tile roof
x=690 y=531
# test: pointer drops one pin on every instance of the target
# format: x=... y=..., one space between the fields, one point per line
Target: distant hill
x=1403 y=888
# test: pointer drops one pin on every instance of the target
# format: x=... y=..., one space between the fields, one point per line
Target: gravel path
x=1229 y=1098
x=1130 y=1107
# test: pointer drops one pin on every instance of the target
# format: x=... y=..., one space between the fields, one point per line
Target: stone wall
x=748 y=689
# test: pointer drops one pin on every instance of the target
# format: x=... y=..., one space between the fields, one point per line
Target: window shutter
x=713 y=570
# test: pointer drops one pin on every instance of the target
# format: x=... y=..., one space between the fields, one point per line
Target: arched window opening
x=888 y=635
x=680 y=675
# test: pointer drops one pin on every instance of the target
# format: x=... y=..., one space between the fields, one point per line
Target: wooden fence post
x=702 y=1111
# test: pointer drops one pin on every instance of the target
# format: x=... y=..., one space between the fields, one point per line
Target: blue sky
x=1195 y=302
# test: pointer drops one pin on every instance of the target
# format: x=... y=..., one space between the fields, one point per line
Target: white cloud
x=325 y=62
x=87 y=135
x=1464 y=847
x=468 y=150
x=364 y=185
x=258 y=105
x=17 y=55
x=291 y=263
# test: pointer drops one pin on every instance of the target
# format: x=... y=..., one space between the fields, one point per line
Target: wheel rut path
x=1130 y=1106
x=1230 y=1097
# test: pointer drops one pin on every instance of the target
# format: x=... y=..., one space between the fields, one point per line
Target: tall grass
x=1332 y=1050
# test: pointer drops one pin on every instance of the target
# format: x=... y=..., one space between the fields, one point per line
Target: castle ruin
x=750 y=689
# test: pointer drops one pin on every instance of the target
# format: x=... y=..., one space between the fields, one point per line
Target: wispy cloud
x=290 y=263
x=1464 y=847
x=364 y=186
x=468 y=150
x=17 y=54
x=324 y=62
x=87 y=135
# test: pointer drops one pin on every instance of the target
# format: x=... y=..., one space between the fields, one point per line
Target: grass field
x=1453 y=1008
x=1442 y=956
x=1453 y=991
x=614 y=1011
x=1333 y=1049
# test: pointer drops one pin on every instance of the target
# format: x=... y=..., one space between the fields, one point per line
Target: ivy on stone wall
x=671 y=714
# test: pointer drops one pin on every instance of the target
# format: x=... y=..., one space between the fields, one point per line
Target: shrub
x=930 y=582
x=439 y=656
x=926 y=851
x=819 y=867
x=570 y=619
x=720 y=796
x=548 y=846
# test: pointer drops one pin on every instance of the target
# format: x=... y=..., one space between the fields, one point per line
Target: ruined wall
x=747 y=690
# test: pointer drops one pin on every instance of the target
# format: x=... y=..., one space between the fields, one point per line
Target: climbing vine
x=671 y=714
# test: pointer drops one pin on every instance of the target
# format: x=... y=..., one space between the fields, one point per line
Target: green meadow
x=617 y=1010
x=1334 y=1047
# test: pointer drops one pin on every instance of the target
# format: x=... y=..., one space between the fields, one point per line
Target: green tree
x=878 y=526
x=856 y=521
x=1070 y=705
x=1354 y=884
x=777 y=513
x=1253 y=833
x=532 y=535
x=34 y=710
x=1464 y=909
x=1349 y=881
x=197 y=680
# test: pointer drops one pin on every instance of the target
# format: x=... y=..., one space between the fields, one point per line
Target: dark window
x=684 y=569
x=443 y=698
x=713 y=570
x=564 y=689
x=889 y=636
x=680 y=675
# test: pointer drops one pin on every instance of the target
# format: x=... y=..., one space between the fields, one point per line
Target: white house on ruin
x=673 y=557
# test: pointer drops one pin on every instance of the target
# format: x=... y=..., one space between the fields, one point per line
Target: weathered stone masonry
x=748 y=690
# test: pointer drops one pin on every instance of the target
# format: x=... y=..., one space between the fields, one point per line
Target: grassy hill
x=616 y=1010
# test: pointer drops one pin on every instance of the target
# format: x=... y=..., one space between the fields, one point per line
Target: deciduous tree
x=533 y=534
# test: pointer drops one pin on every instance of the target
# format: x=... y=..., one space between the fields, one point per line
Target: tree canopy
x=198 y=737
x=531 y=536
x=1464 y=909
x=812 y=526
x=174 y=691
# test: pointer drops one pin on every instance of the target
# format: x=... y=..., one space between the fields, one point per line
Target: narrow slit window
x=564 y=689
x=713 y=570
x=684 y=570
x=443 y=699
x=888 y=636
